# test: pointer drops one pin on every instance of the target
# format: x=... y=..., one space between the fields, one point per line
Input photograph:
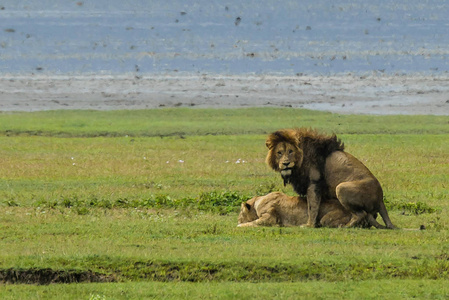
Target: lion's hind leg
x=356 y=218
x=335 y=219
x=360 y=198
x=373 y=222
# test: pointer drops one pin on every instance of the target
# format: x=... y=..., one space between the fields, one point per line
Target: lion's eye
x=290 y=151
x=279 y=153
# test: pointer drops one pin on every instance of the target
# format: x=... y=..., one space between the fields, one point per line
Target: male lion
x=317 y=166
x=279 y=209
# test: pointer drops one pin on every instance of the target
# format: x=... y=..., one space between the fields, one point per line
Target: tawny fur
x=279 y=209
x=317 y=166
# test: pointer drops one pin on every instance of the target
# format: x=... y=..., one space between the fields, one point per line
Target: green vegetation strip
x=111 y=269
x=223 y=203
x=185 y=122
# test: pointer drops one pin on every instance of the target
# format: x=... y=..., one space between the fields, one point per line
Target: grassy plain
x=147 y=201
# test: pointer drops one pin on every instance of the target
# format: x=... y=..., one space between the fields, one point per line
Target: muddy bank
x=348 y=94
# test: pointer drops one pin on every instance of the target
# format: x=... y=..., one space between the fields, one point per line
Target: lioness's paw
x=307 y=225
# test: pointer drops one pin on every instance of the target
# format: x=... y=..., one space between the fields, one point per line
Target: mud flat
x=348 y=94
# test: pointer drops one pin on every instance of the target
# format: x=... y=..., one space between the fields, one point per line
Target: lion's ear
x=248 y=206
x=244 y=206
x=273 y=139
x=297 y=138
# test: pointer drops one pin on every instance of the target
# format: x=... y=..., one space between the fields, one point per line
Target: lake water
x=224 y=37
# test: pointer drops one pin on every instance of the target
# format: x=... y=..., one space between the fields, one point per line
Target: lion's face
x=284 y=154
x=288 y=157
x=247 y=213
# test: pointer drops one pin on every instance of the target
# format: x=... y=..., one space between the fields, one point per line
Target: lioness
x=279 y=209
x=316 y=165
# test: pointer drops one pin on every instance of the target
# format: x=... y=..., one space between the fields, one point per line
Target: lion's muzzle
x=286 y=175
x=286 y=172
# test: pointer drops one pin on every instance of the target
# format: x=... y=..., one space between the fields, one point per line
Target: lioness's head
x=284 y=154
x=247 y=212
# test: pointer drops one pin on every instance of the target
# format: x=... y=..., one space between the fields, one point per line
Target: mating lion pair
x=340 y=190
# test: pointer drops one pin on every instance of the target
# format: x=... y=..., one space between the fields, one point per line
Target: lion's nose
x=286 y=164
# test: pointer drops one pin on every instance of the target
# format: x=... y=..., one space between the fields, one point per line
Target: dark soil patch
x=48 y=276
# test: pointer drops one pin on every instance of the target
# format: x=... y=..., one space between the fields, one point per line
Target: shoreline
x=345 y=94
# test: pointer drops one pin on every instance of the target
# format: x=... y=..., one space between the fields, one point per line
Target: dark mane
x=317 y=146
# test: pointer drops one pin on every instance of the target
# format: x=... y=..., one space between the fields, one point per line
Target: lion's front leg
x=248 y=224
x=267 y=218
x=313 y=205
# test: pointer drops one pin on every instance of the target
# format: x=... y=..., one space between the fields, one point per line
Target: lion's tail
x=384 y=214
x=376 y=224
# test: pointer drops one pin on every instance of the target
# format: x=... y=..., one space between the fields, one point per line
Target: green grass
x=370 y=289
x=149 y=200
x=184 y=121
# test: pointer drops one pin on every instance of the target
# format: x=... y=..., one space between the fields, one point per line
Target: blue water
x=225 y=37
